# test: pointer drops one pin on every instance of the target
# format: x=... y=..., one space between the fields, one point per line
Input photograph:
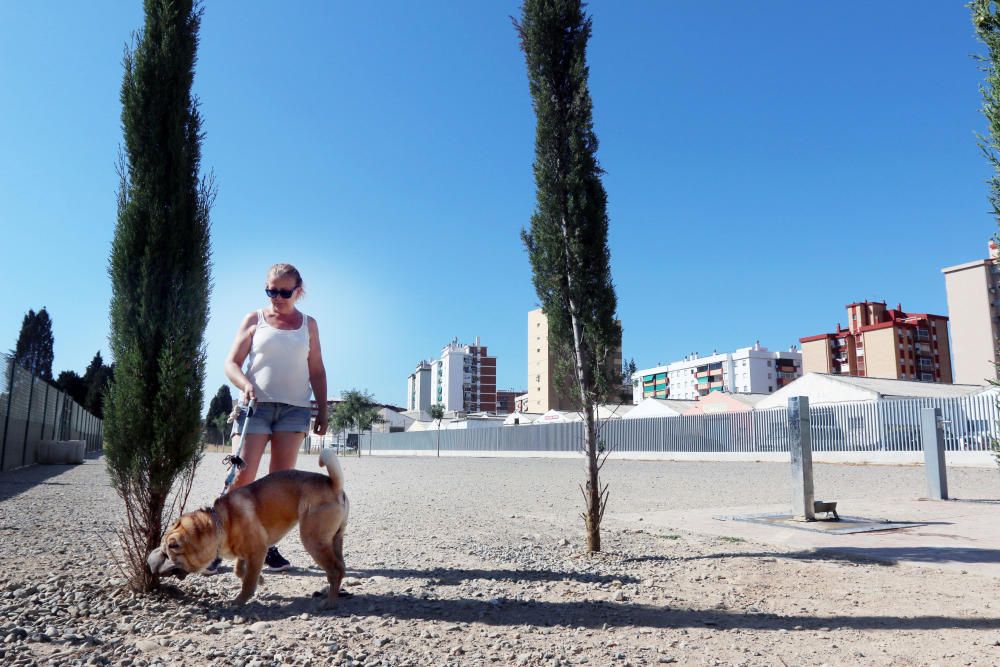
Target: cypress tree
x=34 y=348
x=73 y=384
x=986 y=19
x=160 y=274
x=568 y=239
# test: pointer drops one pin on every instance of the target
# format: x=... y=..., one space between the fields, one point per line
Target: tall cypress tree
x=34 y=349
x=986 y=19
x=568 y=239
x=160 y=275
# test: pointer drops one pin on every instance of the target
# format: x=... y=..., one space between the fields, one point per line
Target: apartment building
x=748 y=370
x=507 y=400
x=882 y=342
x=544 y=392
x=973 y=291
x=418 y=387
x=464 y=378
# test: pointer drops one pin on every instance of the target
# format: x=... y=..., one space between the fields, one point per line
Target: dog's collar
x=216 y=518
x=218 y=523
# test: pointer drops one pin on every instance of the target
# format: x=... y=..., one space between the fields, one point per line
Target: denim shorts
x=274 y=418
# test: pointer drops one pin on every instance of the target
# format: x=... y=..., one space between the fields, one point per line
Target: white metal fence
x=884 y=426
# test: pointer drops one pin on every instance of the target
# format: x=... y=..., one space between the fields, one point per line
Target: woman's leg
x=253 y=450
x=285 y=450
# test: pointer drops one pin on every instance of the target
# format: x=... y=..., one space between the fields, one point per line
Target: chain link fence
x=32 y=410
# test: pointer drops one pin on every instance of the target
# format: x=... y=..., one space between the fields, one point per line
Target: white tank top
x=279 y=363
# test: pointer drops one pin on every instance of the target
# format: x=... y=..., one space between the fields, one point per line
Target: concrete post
x=932 y=434
x=800 y=448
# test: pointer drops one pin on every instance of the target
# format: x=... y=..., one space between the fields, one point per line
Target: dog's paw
x=323 y=603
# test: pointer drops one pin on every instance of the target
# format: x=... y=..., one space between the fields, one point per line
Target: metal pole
x=27 y=419
x=800 y=448
x=11 y=369
x=45 y=412
x=932 y=434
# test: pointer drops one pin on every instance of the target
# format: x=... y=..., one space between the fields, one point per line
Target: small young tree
x=220 y=405
x=370 y=418
x=161 y=283
x=986 y=19
x=628 y=370
x=34 y=348
x=436 y=412
x=568 y=239
x=357 y=410
x=220 y=422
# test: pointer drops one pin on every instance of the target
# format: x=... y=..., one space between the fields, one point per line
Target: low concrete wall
x=60 y=451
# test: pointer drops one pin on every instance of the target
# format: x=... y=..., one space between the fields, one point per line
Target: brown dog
x=245 y=522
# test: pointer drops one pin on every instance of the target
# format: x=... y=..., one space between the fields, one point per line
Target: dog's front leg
x=251 y=575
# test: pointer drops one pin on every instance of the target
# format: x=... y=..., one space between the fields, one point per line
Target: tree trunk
x=593 y=495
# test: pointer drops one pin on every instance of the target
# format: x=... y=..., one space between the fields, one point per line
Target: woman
x=285 y=366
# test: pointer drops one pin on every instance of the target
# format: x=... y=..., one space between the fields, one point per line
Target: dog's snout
x=159 y=562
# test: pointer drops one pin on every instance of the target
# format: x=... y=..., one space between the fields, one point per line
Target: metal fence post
x=932 y=434
x=6 y=422
x=800 y=448
x=27 y=419
x=45 y=412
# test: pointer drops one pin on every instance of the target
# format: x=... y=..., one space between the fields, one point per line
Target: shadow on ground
x=591 y=614
x=15 y=482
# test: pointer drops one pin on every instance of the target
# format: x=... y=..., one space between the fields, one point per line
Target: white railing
x=887 y=426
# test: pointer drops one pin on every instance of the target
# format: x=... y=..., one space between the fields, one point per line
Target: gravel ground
x=460 y=561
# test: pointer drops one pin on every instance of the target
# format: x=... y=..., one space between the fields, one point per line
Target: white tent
x=515 y=418
x=822 y=388
x=558 y=417
x=613 y=411
x=659 y=407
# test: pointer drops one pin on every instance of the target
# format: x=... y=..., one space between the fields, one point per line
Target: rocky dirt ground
x=481 y=562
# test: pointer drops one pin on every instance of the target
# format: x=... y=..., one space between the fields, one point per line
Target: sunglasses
x=283 y=293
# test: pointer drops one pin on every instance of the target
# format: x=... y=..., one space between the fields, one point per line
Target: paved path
x=954 y=534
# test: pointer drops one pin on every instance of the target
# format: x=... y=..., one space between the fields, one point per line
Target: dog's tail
x=328 y=458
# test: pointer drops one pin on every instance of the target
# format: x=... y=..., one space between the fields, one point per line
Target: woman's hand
x=320 y=425
x=248 y=394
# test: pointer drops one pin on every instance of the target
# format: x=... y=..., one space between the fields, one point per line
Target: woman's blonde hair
x=282 y=270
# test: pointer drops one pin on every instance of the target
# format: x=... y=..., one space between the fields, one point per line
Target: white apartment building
x=748 y=370
x=418 y=388
x=973 y=291
x=464 y=378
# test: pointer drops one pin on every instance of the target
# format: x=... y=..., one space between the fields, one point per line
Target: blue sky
x=767 y=163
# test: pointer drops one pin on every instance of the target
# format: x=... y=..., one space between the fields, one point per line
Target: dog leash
x=234 y=461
